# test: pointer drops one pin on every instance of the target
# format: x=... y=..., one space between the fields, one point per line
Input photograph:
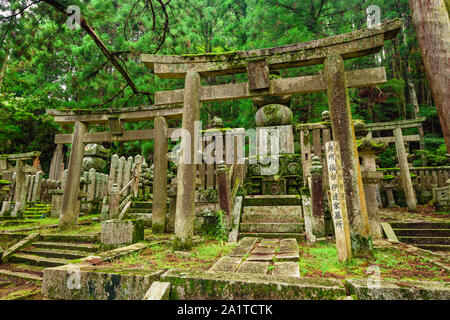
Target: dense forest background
x=45 y=64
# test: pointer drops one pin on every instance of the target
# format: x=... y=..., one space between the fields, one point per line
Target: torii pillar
x=187 y=169
x=344 y=132
x=68 y=219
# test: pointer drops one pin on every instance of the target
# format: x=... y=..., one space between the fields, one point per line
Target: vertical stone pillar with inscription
x=338 y=201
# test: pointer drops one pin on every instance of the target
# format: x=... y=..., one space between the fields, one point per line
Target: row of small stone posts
x=121 y=172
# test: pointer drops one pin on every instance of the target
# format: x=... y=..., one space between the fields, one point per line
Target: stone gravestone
x=338 y=204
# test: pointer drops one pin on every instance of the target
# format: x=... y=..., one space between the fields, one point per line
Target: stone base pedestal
x=117 y=233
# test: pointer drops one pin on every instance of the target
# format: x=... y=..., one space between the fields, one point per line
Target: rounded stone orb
x=93 y=162
x=273 y=115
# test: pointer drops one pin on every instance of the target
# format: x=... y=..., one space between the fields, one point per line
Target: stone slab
x=253 y=267
x=268 y=245
x=390 y=234
x=226 y=264
x=19 y=246
x=236 y=219
x=94 y=285
x=191 y=284
x=116 y=232
x=261 y=257
x=399 y=290
x=288 y=245
x=20 y=275
x=158 y=291
x=289 y=256
x=244 y=247
x=264 y=249
x=290 y=269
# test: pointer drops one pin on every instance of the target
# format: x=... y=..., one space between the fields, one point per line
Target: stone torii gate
x=331 y=52
x=20 y=169
x=399 y=140
x=114 y=118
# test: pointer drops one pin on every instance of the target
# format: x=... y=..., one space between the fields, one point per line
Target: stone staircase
x=272 y=217
x=37 y=209
x=434 y=236
x=141 y=209
x=54 y=252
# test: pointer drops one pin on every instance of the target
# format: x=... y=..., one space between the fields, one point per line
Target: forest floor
x=317 y=260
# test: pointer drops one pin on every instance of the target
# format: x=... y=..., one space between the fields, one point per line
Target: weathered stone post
x=137 y=165
x=114 y=202
x=56 y=202
x=120 y=172
x=113 y=171
x=172 y=195
x=343 y=132
x=127 y=173
x=307 y=213
x=223 y=187
x=20 y=181
x=70 y=209
x=318 y=220
x=187 y=173
x=404 y=170
x=368 y=150
x=160 y=177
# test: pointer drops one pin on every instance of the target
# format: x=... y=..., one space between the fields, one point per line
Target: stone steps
x=288 y=210
x=86 y=238
x=434 y=236
x=425 y=240
x=142 y=204
x=265 y=200
x=86 y=247
x=434 y=247
x=37 y=260
x=56 y=253
x=271 y=227
x=140 y=210
x=300 y=237
x=420 y=225
x=20 y=275
x=422 y=232
x=273 y=218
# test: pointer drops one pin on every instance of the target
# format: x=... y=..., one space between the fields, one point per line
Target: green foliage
x=435 y=151
x=47 y=65
x=221 y=233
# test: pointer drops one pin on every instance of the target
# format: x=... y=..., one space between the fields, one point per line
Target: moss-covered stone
x=228 y=285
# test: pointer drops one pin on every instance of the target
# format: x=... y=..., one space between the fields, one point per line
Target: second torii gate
x=114 y=118
x=330 y=51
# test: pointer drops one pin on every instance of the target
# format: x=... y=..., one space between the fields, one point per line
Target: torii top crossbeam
x=349 y=45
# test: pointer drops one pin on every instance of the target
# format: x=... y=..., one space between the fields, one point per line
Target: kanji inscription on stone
x=338 y=204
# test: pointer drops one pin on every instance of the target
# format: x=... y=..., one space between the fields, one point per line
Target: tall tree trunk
x=432 y=24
